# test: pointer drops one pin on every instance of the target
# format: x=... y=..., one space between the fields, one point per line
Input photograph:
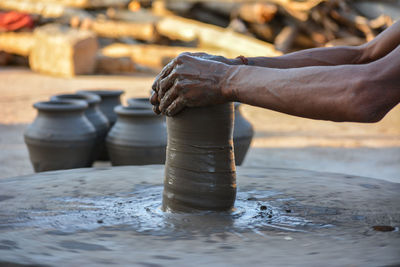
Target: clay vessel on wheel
x=200 y=167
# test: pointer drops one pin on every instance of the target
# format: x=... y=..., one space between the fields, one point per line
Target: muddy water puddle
x=140 y=211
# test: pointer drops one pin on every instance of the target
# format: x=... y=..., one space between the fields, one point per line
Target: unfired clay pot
x=242 y=135
x=60 y=137
x=200 y=168
x=139 y=137
x=109 y=100
x=94 y=115
x=140 y=102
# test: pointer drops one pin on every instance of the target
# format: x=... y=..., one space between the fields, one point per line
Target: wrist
x=235 y=61
x=228 y=89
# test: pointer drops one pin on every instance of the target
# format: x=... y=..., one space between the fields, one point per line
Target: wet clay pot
x=94 y=115
x=200 y=168
x=242 y=135
x=109 y=100
x=139 y=137
x=60 y=137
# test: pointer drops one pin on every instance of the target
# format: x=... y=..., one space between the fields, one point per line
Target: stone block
x=63 y=51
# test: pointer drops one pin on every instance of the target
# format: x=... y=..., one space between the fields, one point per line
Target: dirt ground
x=371 y=150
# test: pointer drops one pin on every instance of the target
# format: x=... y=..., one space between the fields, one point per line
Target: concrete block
x=63 y=51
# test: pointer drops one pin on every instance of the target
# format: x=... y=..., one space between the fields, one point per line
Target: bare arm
x=359 y=93
x=383 y=44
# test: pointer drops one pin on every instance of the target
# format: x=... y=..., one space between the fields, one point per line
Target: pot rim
x=139 y=102
x=89 y=98
x=61 y=105
x=134 y=111
x=101 y=92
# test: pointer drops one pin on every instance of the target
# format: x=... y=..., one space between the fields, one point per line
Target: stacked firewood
x=149 y=33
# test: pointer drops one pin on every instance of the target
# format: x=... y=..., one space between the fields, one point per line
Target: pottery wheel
x=282 y=216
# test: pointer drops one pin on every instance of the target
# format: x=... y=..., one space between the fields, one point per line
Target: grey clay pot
x=94 y=115
x=60 y=137
x=242 y=135
x=139 y=137
x=109 y=100
x=140 y=102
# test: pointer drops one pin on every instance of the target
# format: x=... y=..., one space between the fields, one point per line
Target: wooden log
x=47 y=10
x=114 y=65
x=63 y=51
x=353 y=20
x=19 y=43
x=262 y=31
x=77 y=3
x=349 y=41
x=152 y=55
x=284 y=40
x=211 y=36
x=4 y=58
x=257 y=12
x=114 y=29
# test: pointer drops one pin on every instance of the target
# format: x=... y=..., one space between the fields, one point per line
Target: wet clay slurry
x=200 y=168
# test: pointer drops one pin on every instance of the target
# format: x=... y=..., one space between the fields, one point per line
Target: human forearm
x=326 y=93
x=311 y=57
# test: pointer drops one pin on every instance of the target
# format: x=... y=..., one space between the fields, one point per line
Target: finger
x=169 y=97
x=175 y=107
x=154 y=98
x=166 y=83
x=199 y=54
x=164 y=72
x=156 y=109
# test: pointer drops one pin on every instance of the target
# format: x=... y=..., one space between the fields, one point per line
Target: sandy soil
x=371 y=150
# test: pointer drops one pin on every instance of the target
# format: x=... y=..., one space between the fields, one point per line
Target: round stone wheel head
x=139 y=137
x=60 y=137
x=200 y=168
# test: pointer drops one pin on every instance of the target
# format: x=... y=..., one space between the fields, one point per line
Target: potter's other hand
x=189 y=81
x=217 y=58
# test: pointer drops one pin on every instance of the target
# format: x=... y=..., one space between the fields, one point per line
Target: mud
x=200 y=168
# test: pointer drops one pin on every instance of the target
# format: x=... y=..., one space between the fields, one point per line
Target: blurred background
x=57 y=46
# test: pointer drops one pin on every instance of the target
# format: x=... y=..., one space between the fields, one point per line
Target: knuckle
x=182 y=57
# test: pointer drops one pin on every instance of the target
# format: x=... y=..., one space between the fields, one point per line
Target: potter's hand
x=189 y=81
